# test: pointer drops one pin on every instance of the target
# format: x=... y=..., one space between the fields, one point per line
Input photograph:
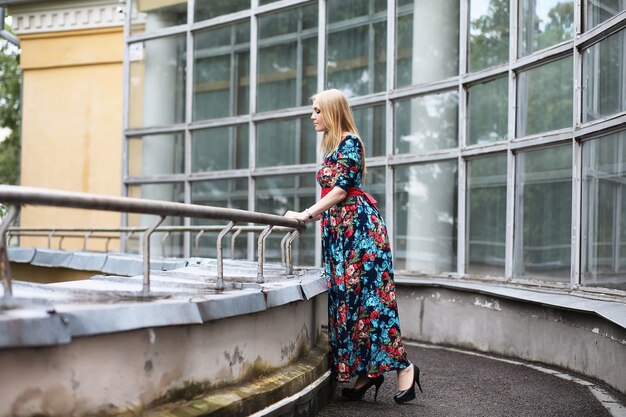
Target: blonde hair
x=337 y=117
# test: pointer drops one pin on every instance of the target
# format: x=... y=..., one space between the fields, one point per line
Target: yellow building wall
x=72 y=123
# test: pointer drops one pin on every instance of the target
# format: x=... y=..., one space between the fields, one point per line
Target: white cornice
x=56 y=16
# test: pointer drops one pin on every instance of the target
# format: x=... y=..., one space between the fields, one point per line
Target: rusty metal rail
x=17 y=196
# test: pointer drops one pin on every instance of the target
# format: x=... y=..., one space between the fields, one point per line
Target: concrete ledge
x=21 y=255
x=610 y=310
x=51 y=258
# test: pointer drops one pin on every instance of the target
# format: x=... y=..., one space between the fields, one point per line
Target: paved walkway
x=460 y=384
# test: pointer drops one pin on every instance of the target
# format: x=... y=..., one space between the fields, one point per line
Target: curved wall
x=570 y=338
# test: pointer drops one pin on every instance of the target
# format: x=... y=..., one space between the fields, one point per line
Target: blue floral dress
x=363 y=325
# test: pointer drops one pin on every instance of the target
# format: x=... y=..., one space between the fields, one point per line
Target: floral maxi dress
x=363 y=324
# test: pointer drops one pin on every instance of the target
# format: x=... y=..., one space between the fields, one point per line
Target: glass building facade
x=495 y=130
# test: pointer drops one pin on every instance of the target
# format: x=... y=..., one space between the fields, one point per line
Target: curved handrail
x=18 y=196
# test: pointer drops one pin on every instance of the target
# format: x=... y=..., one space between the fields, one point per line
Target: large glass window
x=276 y=195
x=219 y=148
x=597 y=11
x=221 y=72
x=544 y=23
x=545 y=98
x=604 y=212
x=425 y=208
x=426 y=123
x=427 y=45
x=486 y=215
x=487 y=111
x=285 y=142
x=604 y=78
x=213 y=8
x=155 y=154
x=357 y=45
x=228 y=193
x=157 y=82
x=371 y=122
x=287 y=68
x=488 y=33
x=148 y=16
x=543 y=201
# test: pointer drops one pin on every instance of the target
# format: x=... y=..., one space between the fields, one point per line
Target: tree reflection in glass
x=486 y=215
x=489 y=33
x=604 y=212
x=426 y=123
x=543 y=217
x=544 y=23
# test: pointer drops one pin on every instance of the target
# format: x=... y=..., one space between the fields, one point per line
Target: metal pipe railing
x=18 y=196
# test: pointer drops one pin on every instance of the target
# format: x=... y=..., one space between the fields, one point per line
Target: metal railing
x=126 y=233
x=17 y=196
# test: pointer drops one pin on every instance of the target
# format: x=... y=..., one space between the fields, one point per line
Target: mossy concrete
x=247 y=397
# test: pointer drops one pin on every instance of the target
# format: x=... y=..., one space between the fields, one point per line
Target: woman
x=363 y=324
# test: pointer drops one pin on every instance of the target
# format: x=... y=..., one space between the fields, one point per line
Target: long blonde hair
x=337 y=117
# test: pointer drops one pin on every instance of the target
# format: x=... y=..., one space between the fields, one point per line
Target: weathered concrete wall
x=584 y=343
x=125 y=370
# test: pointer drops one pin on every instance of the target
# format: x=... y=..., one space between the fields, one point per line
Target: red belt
x=355 y=192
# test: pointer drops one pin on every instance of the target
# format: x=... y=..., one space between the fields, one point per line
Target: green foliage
x=489 y=43
x=9 y=112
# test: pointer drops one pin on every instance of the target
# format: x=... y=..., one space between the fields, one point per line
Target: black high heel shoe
x=357 y=393
x=407 y=395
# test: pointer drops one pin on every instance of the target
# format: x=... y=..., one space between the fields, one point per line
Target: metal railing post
x=163 y=239
x=293 y=236
x=85 y=239
x=233 y=237
x=262 y=237
x=146 y=256
x=197 y=250
x=219 y=283
x=5 y=267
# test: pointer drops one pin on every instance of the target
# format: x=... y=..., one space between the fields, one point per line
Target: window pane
x=425 y=200
x=287 y=74
x=604 y=212
x=545 y=98
x=604 y=77
x=219 y=148
x=543 y=214
x=276 y=195
x=487 y=111
x=486 y=215
x=371 y=122
x=229 y=193
x=173 y=245
x=157 y=82
x=489 y=33
x=213 y=8
x=427 y=45
x=148 y=16
x=544 y=23
x=597 y=11
x=156 y=154
x=375 y=184
x=221 y=72
x=357 y=39
x=426 y=123
x=285 y=142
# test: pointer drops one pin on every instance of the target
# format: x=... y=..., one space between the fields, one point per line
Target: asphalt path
x=461 y=384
